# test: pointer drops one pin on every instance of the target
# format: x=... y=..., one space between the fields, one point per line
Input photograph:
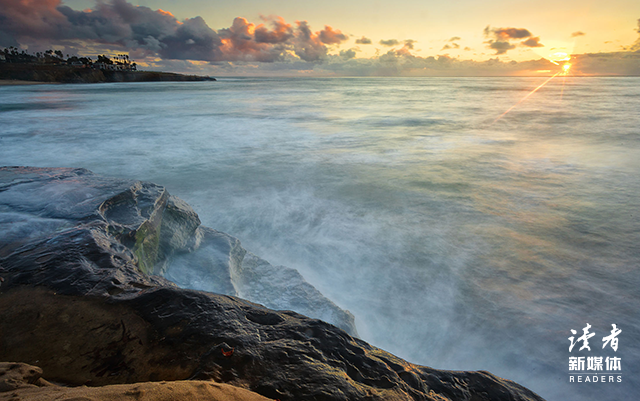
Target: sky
x=338 y=37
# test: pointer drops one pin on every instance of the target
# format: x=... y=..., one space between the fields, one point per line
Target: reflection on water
x=457 y=242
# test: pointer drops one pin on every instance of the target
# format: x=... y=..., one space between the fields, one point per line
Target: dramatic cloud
x=121 y=26
x=158 y=40
x=389 y=43
x=577 y=33
x=500 y=39
x=363 y=41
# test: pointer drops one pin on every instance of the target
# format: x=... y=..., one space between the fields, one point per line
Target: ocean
x=460 y=237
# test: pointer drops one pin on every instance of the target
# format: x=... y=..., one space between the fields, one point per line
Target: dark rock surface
x=74 y=300
x=157 y=232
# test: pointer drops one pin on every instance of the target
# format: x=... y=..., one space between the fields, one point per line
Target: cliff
x=82 y=297
x=70 y=74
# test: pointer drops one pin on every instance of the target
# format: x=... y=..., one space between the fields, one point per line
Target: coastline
x=33 y=74
x=13 y=82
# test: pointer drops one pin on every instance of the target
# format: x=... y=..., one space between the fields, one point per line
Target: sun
x=565 y=68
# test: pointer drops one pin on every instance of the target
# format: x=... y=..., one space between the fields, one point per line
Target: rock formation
x=80 y=297
x=158 y=233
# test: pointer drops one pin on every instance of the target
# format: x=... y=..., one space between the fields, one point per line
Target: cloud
x=451 y=43
x=532 y=42
x=348 y=54
x=408 y=43
x=636 y=45
x=577 y=33
x=508 y=33
x=281 y=32
x=191 y=40
x=36 y=18
x=389 y=42
x=397 y=63
x=330 y=36
x=238 y=43
x=121 y=26
x=501 y=47
x=618 y=63
x=500 y=39
x=158 y=39
x=307 y=45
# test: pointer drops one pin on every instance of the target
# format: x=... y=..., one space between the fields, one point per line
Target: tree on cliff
x=104 y=59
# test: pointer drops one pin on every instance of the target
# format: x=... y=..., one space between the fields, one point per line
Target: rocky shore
x=85 y=296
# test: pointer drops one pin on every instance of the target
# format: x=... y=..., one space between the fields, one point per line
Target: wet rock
x=143 y=224
x=75 y=302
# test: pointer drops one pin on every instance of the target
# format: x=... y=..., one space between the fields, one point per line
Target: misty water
x=458 y=239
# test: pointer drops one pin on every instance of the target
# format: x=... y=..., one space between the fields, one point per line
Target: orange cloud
x=281 y=32
x=511 y=33
x=329 y=36
x=167 y=13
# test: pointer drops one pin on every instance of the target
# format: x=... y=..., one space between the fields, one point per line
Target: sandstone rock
x=19 y=381
x=14 y=376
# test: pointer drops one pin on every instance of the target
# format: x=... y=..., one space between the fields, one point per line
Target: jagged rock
x=144 y=224
x=74 y=302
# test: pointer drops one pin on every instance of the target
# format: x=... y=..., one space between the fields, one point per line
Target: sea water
x=459 y=236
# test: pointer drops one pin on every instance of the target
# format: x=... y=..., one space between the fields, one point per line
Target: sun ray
x=526 y=97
